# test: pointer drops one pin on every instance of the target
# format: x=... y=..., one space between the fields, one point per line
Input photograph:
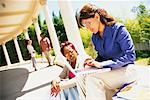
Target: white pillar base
x=18 y=50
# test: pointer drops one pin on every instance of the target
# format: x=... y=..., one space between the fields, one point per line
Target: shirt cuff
x=107 y=63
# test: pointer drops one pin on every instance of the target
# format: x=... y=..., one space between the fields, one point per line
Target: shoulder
x=121 y=32
x=117 y=26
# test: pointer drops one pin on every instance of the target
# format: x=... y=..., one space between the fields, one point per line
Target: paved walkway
x=22 y=83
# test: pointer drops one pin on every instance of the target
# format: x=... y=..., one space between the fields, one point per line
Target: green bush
x=91 y=51
x=86 y=39
x=52 y=52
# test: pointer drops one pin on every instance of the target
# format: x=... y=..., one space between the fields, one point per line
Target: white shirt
x=31 y=50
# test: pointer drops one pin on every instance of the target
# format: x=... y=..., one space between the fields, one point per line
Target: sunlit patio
x=22 y=83
x=19 y=80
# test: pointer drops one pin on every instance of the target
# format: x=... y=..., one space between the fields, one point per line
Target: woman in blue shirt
x=115 y=50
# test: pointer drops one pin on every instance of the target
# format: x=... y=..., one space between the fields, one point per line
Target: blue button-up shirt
x=115 y=46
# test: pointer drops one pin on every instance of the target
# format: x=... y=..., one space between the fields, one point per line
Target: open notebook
x=92 y=70
x=84 y=71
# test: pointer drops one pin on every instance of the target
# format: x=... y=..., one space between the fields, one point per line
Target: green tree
x=59 y=26
x=39 y=21
x=33 y=37
x=143 y=17
x=2 y=57
x=23 y=47
x=134 y=28
x=12 y=51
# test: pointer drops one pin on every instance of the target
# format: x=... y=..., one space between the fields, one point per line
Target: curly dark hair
x=67 y=43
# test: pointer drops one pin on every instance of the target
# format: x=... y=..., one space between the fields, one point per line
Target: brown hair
x=89 y=10
x=42 y=34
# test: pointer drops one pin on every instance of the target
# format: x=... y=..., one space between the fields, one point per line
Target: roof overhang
x=16 y=16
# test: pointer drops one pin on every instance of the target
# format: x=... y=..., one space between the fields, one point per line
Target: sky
x=117 y=8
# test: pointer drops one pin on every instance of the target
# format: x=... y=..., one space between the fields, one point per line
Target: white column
x=26 y=34
x=18 y=50
x=37 y=29
x=51 y=30
x=54 y=38
x=71 y=26
x=6 y=55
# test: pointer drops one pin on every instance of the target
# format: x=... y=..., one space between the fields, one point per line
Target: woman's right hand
x=92 y=62
x=55 y=88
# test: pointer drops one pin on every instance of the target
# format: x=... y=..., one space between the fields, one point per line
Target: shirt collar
x=104 y=33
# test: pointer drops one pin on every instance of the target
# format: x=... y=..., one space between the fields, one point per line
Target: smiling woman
x=69 y=51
